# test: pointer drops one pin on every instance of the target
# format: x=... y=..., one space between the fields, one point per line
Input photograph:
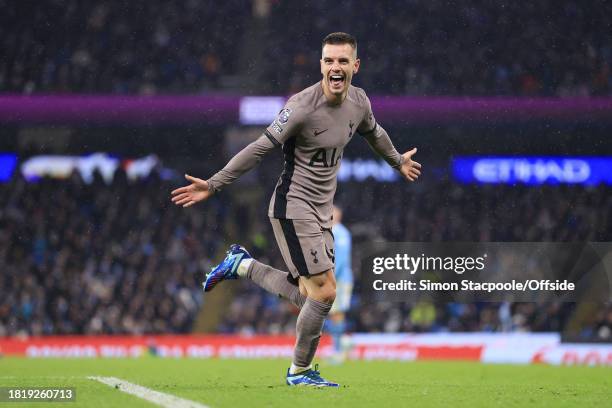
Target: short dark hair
x=340 y=38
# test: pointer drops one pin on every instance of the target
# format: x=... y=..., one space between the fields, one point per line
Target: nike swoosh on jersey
x=317 y=133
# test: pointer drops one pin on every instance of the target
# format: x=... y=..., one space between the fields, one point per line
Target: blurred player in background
x=312 y=129
x=336 y=325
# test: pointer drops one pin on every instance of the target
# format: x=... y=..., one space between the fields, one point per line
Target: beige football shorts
x=307 y=248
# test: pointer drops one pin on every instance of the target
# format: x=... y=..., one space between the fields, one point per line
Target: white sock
x=243 y=267
x=296 y=370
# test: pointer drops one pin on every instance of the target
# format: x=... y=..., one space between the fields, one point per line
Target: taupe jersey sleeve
x=244 y=161
x=287 y=123
x=377 y=138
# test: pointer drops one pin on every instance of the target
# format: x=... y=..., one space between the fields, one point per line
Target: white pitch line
x=156 y=397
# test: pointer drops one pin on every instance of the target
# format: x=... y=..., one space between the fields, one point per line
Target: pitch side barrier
x=261 y=110
x=512 y=348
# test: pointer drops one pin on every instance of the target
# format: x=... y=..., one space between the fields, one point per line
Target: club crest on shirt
x=283 y=115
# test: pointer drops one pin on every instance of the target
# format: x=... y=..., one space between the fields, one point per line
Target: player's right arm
x=285 y=125
x=197 y=191
x=245 y=160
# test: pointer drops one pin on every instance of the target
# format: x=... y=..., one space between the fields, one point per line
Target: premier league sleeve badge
x=283 y=115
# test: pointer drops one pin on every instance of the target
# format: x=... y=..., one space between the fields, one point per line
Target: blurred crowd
x=434 y=47
x=129 y=47
x=442 y=47
x=120 y=258
x=78 y=258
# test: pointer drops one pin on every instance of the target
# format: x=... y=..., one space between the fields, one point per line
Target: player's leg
x=321 y=294
x=302 y=287
x=273 y=280
x=321 y=290
x=310 y=253
x=239 y=263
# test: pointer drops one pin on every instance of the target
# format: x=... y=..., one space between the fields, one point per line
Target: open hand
x=410 y=169
x=189 y=195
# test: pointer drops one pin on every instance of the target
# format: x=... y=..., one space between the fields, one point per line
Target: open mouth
x=336 y=80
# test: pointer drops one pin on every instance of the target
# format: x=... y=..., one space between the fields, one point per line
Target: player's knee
x=322 y=287
x=328 y=294
x=324 y=293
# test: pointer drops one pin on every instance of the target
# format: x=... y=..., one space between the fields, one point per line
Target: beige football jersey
x=313 y=134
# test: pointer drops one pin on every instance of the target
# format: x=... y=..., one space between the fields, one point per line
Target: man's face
x=338 y=65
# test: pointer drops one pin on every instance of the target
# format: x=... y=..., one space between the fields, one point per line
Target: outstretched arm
x=410 y=169
x=197 y=191
x=379 y=141
x=244 y=161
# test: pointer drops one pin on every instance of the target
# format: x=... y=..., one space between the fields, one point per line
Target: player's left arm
x=380 y=142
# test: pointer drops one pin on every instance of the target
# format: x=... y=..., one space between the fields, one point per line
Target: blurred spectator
x=434 y=47
x=78 y=258
x=133 y=47
x=97 y=258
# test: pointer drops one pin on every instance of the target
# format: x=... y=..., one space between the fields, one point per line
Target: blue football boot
x=309 y=378
x=228 y=269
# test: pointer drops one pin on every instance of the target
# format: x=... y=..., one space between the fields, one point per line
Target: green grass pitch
x=260 y=383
